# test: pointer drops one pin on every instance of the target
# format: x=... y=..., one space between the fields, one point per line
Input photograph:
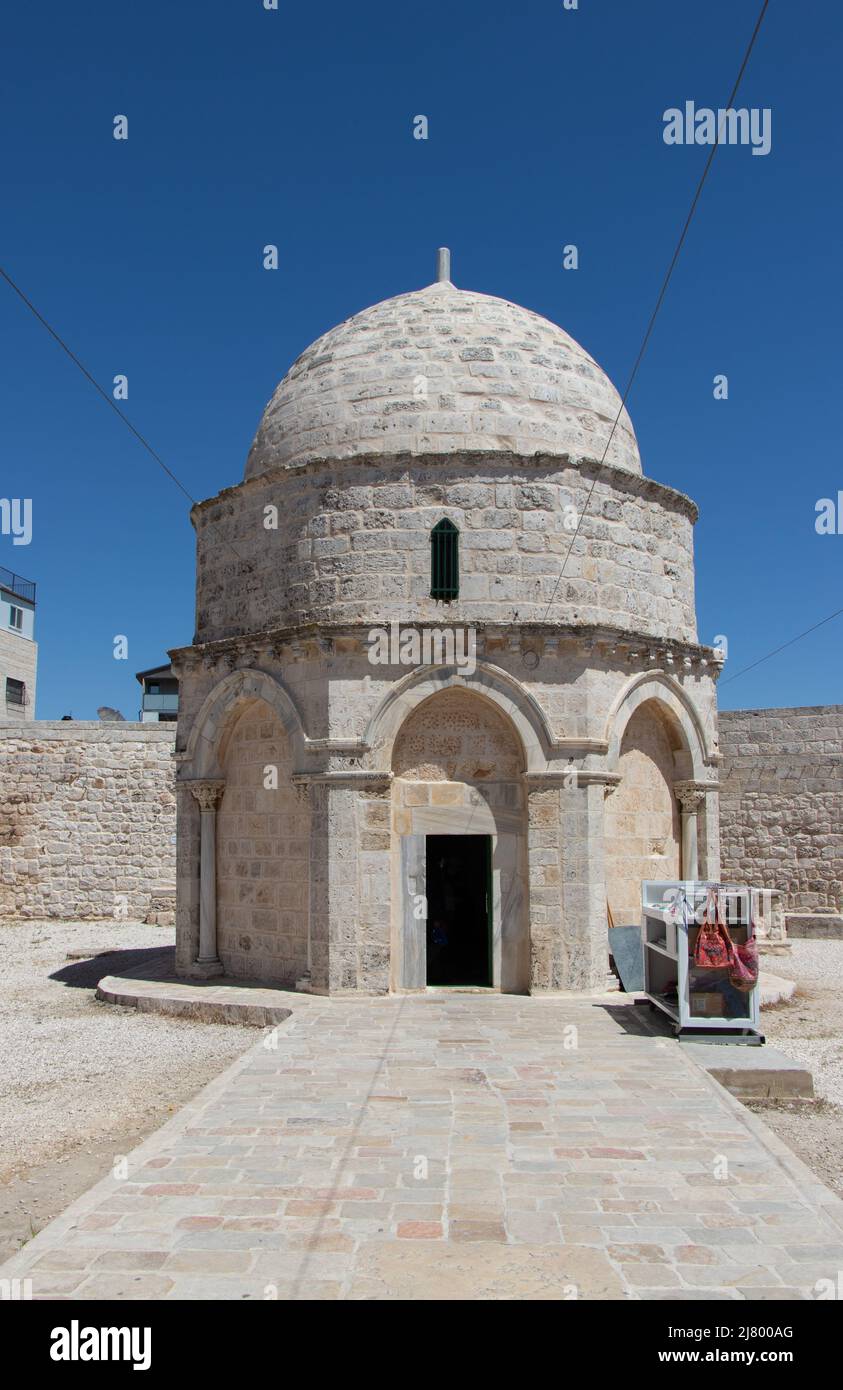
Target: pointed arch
x=678 y=708
x=205 y=744
x=489 y=682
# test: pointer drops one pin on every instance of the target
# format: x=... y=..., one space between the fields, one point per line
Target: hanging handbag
x=711 y=951
x=743 y=960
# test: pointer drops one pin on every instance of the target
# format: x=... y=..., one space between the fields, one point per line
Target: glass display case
x=699 y=1000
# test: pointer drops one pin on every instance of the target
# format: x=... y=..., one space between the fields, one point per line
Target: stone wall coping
x=87 y=731
x=775 y=712
x=621 y=478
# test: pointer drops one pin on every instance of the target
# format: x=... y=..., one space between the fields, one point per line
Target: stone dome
x=437 y=371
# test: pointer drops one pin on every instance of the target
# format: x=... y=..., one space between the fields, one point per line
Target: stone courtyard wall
x=781 y=803
x=87 y=818
x=87 y=812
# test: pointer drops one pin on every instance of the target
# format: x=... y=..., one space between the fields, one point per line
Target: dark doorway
x=459 y=909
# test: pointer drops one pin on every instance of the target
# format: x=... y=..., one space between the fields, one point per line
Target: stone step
x=814 y=924
x=752 y=1073
x=154 y=988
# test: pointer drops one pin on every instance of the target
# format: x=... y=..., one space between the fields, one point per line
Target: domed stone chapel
x=413 y=750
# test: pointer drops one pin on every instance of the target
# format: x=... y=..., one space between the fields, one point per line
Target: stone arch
x=643 y=828
x=457 y=736
x=216 y=718
x=457 y=760
x=687 y=732
x=263 y=849
x=488 y=683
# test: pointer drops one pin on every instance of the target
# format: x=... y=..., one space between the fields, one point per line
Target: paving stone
x=419 y=1230
x=320 y=1198
x=483 y=1271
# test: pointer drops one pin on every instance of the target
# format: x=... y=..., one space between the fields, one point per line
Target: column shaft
x=208 y=795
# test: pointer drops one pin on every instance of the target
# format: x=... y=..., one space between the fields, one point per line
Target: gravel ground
x=82 y=1081
x=810 y=1029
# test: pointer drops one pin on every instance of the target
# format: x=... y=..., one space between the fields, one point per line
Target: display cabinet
x=700 y=1002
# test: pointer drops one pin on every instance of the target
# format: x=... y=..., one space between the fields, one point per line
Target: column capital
x=689 y=795
x=208 y=792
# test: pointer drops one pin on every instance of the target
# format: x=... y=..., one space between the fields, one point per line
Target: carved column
x=690 y=799
x=208 y=795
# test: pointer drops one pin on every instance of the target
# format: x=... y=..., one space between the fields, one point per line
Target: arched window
x=445 y=560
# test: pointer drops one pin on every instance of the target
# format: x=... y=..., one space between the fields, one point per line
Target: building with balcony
x=18 y=648
x=160 y=700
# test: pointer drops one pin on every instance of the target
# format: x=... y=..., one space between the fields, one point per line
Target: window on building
x=444 y=561
x=15 y=692
x=15 y=618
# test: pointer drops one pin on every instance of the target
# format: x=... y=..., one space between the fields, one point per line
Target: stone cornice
x=627 y=647
x=635 y=484
x=345 y=776
x=571 y=777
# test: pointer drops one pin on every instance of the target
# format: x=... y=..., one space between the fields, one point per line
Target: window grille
x=15 y=692
x=444 y=561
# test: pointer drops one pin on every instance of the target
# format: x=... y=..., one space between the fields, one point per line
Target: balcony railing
x=161 y=702
x=22 y=588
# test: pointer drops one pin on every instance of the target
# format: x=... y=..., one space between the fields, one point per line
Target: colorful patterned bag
x=711 y=951
x=743 y=960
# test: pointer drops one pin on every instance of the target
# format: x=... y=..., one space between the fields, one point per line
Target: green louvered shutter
x=445 y=561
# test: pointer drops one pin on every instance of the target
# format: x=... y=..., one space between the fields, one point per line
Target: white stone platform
x=154 y=988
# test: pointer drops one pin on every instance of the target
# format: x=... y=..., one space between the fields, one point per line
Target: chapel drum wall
x=350 y=542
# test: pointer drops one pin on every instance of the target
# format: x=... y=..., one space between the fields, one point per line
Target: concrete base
x=205 y=970
x=753 y=1073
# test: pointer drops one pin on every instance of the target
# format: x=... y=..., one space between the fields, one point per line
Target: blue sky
x=294 y=127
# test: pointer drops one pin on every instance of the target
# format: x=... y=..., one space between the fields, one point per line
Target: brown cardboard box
x=707 y=1005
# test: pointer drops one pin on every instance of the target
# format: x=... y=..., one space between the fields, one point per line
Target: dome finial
x=443 y=265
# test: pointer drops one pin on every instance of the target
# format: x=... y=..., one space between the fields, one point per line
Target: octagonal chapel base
x=306 y=862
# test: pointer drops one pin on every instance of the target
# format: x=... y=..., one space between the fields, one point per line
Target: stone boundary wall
x=87 y=812
x=87 y=818
x=781 y=803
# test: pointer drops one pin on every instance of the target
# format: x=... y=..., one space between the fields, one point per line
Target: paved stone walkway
x=451 y=1146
